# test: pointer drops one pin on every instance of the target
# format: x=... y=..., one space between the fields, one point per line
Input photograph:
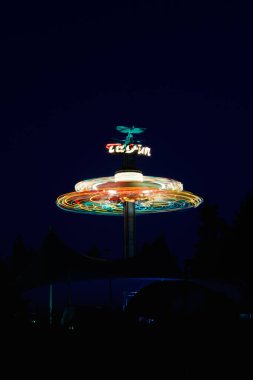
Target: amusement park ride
x=128 y=192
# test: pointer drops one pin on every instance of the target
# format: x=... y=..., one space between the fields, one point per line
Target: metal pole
x=129 y=229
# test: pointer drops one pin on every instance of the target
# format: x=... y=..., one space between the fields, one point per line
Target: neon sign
x=129 y=149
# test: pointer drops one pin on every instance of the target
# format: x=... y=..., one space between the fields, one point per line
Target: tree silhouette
x=210 y=258
x=158 y=257
x=58 y=261
x=13 y=308
x=55 y=256
x=22 y=256
x=241 y=245
x=93 y=252
x=48 y=264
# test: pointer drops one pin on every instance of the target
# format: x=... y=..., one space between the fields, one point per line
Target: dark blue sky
x=69 y=75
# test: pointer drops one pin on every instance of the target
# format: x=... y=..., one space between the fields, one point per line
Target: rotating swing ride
x=128 y=193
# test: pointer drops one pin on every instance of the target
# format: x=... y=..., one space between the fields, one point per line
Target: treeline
x=223 y=252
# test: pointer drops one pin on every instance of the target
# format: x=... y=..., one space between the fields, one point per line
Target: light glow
x=147 y=181
x=128 y=176
x=106 y=196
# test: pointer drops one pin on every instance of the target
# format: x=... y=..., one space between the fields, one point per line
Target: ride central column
x=129 y=229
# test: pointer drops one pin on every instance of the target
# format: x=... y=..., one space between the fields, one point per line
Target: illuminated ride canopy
x=107 y=195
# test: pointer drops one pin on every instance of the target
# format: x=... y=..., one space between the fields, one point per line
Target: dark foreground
x=108 y=343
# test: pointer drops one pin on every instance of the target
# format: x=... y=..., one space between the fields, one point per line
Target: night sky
x=70 y=75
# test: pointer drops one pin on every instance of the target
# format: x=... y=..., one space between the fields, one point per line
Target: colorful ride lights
x=107 y=195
